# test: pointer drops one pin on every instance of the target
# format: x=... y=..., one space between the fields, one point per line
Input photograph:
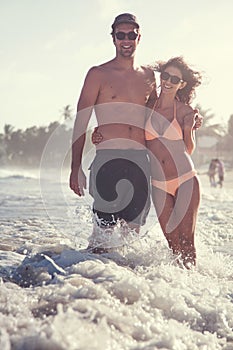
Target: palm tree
x=230 y=126
x=227 y=142
x=208 y=131
x=208 y=128
x=67 y=113
x=8 y=129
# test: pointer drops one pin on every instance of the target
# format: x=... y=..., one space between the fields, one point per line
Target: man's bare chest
x=122 y=88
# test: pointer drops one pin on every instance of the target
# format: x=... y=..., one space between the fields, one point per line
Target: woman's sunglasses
x=174 y=79
x=122 y=35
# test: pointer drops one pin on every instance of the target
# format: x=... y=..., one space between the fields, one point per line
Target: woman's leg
x=187 y=204
x=164 y=206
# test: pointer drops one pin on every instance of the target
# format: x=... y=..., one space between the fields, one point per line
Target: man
x=117 y=91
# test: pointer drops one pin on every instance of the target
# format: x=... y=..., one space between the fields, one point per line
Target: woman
x=170 y=139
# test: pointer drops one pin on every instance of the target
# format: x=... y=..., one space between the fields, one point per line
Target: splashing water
x=54 y=294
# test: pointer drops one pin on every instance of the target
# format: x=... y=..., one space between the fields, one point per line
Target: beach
x=54 y=297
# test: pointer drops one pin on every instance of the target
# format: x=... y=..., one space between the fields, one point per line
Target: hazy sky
x=47 y=47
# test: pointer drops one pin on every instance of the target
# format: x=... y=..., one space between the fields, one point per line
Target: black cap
x=125 y=18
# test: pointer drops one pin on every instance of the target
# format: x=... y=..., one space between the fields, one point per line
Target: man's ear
x=113 y=39
x=139 y=37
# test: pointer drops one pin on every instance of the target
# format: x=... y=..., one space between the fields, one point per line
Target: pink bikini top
x=172 y=132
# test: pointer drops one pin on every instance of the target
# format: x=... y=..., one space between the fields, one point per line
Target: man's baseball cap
x=125 y=18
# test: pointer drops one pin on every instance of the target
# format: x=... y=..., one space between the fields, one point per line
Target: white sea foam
x=52 y=296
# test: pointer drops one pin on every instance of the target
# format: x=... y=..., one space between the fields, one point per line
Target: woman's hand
x=96 y=137
x=193 y=120
x=190 y=120
x=198 y=119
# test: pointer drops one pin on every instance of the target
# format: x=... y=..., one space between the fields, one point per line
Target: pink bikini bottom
x=170 y=186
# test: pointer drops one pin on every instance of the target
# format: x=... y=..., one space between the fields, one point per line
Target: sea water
x=52 y=296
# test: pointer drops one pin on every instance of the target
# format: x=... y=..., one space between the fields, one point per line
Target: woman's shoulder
x=183 y=109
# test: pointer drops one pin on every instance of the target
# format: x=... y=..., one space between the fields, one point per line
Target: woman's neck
x=165 y=102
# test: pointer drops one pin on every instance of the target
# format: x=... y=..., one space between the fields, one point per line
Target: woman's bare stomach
x=167 y=168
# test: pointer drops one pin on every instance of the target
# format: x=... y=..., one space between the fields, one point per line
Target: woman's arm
x=189 y=130
x=198 y=119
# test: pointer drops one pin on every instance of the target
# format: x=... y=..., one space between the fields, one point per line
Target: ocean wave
x=18 y=174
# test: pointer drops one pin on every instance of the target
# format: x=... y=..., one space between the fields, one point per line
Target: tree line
x=25 y=147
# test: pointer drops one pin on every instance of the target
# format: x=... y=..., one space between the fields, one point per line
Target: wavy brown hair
x=191 y=77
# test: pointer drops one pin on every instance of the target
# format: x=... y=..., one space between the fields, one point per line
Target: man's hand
x=198 y=119
x=78 y=182
x=96 y=136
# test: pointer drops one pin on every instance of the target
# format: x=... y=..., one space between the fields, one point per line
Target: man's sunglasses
x=174 y=79
x=122 y=35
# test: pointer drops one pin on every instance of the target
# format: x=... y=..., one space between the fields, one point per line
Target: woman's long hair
x=191 y=77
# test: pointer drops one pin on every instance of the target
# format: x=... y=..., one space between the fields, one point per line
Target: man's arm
x=87 y=100
x=150 y=104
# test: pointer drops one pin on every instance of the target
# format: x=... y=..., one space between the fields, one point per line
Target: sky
x=47 y=47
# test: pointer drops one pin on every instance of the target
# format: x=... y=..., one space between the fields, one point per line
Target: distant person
x=220 y=171
x=212 y=172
